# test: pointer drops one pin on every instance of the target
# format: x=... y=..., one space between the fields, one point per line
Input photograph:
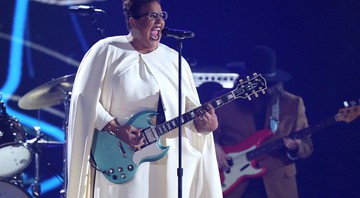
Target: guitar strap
x=160 y=118
x=274 y=118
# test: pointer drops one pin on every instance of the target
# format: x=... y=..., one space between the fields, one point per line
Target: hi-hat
x=48 y=94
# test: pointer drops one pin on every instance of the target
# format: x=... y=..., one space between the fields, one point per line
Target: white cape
x=113 y=56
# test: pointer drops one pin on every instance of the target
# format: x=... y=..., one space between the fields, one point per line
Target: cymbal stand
x=35 y=187
x=65 y=127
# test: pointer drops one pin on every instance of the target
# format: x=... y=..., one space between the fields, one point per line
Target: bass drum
x=10 y=190
x=15 y=153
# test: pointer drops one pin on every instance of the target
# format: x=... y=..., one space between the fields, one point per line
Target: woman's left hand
x=206 y=120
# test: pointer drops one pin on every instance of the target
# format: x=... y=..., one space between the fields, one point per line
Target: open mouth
x=155 y=33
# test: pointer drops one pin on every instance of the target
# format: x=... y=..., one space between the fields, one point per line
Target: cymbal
x=48 y=94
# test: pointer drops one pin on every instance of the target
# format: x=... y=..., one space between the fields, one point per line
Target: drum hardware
x=66 y=103
x=49 y=94
x=35 y=187
x=44 y=141
x=17 y=180
x=37 y=144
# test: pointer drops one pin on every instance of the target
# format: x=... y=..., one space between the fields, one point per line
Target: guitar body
x=242 y=168
x=118 y=161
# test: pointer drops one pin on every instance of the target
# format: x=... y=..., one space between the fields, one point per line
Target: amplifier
x=227 y=80
x=224 y=76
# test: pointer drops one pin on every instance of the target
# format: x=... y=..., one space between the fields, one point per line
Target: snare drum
x=15 y=153
x=10 y=190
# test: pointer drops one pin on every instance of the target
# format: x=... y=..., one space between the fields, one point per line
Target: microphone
x=178 y=34
x=85 y=10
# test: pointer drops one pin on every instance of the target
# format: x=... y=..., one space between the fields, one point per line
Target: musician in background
x=120 y=77
x=279 y=111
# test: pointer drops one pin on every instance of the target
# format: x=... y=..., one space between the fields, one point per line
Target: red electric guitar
x=246 y=155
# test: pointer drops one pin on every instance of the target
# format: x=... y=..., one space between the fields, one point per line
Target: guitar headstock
x=348 y=114
x=250 y=86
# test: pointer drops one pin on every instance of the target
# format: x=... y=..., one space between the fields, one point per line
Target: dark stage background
x=318 y=42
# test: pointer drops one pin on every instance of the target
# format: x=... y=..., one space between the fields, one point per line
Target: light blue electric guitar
x=119 y=162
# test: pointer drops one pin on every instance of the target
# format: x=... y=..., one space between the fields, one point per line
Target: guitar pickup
x=244 y=167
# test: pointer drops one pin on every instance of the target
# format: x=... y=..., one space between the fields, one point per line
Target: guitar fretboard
x=152 y=134
x=278 y=144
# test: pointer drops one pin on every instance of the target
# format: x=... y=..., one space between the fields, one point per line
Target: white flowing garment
x=115 y=81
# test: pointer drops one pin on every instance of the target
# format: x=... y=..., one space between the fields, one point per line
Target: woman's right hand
x=130 y=135
x=127 y=133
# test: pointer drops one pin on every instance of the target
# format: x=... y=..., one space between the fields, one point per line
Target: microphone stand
x=180 y=169
x=99 y=30
x=86 y=11
x=180 y=39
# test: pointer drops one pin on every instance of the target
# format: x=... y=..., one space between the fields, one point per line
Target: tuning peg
x=254 y=74
x=255 y=93
x=247 y=77
x=248 y=96
x=263 y=91
x=346 y=104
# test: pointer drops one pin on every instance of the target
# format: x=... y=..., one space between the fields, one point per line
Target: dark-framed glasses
x=154 y=15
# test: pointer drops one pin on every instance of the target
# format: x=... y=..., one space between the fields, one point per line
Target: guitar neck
x=244 y=90
x=278 y=144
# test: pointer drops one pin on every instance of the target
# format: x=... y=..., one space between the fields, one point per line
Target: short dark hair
x=131 y=8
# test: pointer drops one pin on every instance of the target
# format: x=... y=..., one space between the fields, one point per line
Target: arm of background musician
x=222 y=158
x=306 y=146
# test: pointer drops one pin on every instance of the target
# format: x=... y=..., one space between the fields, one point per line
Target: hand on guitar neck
x=206 y=119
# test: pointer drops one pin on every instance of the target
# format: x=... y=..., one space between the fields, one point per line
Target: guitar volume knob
x=123 y=176
x=130 y=167
x=120 y=169
x=111 y=170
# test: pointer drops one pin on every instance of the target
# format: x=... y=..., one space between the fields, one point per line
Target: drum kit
x=16 y=151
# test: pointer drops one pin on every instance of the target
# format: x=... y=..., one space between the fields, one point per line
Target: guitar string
x=239 y=159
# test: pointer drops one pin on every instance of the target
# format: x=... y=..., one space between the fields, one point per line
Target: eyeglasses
x=154 y=15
